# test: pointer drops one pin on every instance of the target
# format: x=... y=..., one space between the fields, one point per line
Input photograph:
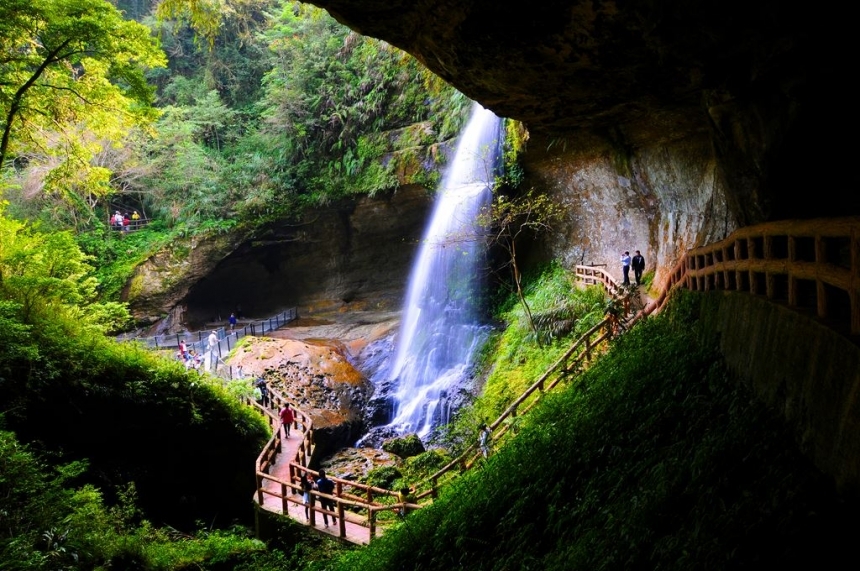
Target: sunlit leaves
x=72 y=77
x=45 y=274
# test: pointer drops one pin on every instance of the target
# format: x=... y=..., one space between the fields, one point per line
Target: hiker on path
x=213 y=340
x=625 y=267
x=484 y=440
x=405 y=496
x=638 y=265
x=287 y=418
x=307 y=484
x=326 y=486
x=260 y=384
x=232 y=321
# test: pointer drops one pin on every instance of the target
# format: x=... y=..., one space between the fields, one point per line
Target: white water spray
x=440 y=331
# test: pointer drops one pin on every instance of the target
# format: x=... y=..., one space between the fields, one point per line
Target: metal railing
x=132 y=225
x=211 y=357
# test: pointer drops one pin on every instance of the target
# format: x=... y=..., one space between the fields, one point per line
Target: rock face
x=162 y=282
x=317 y=377
x=355 y=253
x=316 y=364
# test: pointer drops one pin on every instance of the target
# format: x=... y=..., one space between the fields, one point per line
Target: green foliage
x=46 y=275
x=383 y=477
x=71 y=85
x=336 y=114
x=116 y=254
x=59 y=375
x=405 y=447
x=562 y=312
x=48 y=524
x=654 y=459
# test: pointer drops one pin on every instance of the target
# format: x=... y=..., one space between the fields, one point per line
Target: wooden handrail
x=582 y=350
x=776 y=259
x=825 y=252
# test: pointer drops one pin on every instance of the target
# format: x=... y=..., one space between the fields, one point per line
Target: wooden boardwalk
x=351 y=528
x=806 y=264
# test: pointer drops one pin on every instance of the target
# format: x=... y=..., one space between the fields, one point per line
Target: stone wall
x=661 y=198
x=354 y=253
x=802 y=369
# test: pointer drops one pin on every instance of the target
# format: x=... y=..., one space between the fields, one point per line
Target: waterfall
x=440 y=330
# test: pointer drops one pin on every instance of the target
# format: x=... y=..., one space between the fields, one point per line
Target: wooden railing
x=569 y=364
x=354 y=502
x=359 y=502
x=814 y=264
x=807 y=264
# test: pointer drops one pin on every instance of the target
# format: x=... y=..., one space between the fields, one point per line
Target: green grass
x=654 y=459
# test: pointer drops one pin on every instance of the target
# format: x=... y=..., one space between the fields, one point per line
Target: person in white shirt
x=625 y=267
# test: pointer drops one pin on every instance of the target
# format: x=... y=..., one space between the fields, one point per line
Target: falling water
x=440 y=331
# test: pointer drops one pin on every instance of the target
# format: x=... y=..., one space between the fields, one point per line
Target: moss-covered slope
x=654 y=459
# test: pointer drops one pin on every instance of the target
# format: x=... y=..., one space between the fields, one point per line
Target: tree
x=69 y=68
x=46 y=274
x=511 y=218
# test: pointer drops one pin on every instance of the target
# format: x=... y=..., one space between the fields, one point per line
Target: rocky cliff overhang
x=562 y=65
x=763 y=81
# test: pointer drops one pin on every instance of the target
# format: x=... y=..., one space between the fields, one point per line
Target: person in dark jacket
x=326 y=486
x=638 y=264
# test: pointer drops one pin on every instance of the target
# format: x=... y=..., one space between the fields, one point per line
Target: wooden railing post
x=821 y=301
x=769 y=280
x=312 y=514
x=792 y=281
x=854 y=288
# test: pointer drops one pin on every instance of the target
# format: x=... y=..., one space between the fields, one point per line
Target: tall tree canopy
x=71 y=83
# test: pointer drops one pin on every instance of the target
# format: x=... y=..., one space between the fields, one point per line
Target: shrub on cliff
x=405 y=446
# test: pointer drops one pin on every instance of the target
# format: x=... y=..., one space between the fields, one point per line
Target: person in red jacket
x=287 y=418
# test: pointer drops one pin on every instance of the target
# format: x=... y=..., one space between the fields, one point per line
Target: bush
x=405 y=447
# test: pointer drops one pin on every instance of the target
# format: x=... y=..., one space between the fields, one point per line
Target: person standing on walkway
x=287 y=418
x=326 y=486
x=262 y=390
x=638 y=264
x=213 y=346
x=213 y=340
x=307 y=484
x=484 y=440
x=232 y=320
x=625 y=267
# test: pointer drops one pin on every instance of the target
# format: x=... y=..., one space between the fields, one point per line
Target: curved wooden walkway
x=812 y=264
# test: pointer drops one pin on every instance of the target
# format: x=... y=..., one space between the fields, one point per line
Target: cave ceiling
x=559 y=66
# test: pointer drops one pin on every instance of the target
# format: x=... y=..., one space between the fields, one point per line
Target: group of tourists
x=123 y=221
x=190 y=357
x=324 y=485
x=307 y=483
x=637 y=262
